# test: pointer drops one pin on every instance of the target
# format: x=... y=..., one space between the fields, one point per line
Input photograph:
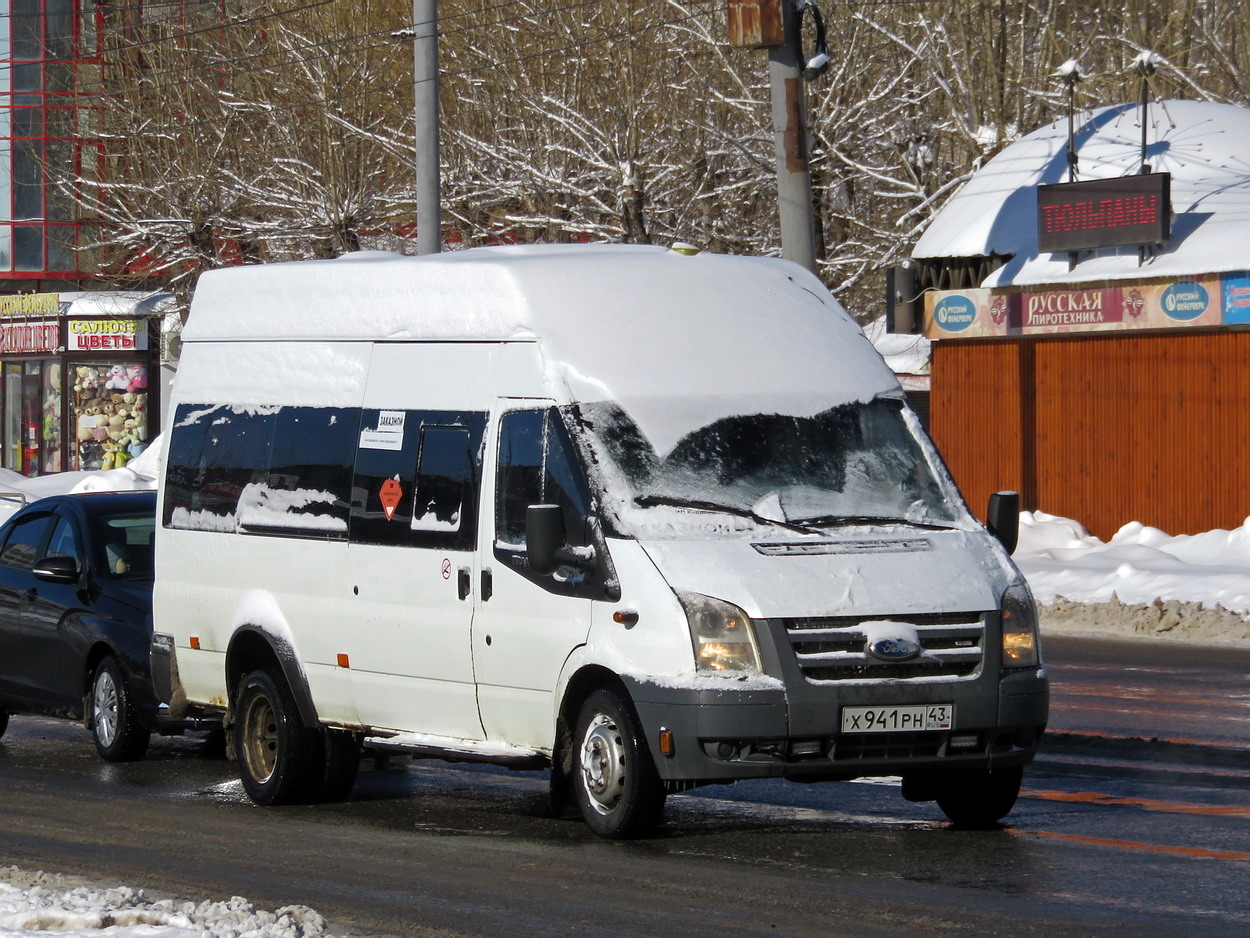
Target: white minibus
x=650 y=518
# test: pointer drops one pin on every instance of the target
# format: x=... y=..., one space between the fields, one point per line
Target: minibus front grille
x=952 y=646
x=887 y=746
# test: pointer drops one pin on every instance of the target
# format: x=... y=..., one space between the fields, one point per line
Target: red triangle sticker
x=390 y=494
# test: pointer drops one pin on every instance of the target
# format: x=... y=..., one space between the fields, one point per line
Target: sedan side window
x=21 y=548
x=64 y=541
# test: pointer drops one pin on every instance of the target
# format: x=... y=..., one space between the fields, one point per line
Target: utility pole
x=774 y=25
x=425 y=86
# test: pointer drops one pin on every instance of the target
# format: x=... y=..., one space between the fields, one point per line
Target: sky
x=1092 y=582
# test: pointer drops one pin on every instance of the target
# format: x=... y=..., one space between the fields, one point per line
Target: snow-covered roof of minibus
x=493 y=293
x=638 y=324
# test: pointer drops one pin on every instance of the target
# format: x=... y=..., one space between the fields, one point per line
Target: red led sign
x=1101 y=213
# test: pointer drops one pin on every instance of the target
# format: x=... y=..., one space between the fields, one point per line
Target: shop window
x=60 y=245
x=51 y=446
x=27 y=240
x=26 y=17
x=109 y=416
x=12 y=416
x=32 y=416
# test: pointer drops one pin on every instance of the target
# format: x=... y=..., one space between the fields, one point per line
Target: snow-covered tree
x=245 y=130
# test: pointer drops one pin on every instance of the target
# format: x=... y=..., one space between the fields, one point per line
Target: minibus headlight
x=723 y=636
x=1019 y=618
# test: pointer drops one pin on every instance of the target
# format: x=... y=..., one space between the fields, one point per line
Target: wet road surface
x=1113 y=835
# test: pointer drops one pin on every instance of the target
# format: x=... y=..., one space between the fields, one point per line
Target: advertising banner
x=108 y=335
x=1236 y=300
x=964 y=314
x=25 y=337
x=980 y=313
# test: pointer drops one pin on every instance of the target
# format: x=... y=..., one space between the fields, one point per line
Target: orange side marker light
x=667 y=746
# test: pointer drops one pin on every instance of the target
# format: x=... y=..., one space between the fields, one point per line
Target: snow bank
x=1141 y=582
x=40 y=903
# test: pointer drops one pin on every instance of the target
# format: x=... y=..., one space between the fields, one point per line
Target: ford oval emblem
x=893 y=649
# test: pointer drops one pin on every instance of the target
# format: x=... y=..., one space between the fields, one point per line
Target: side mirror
x=57 y=570
x=544 y=536
x=1003 y=518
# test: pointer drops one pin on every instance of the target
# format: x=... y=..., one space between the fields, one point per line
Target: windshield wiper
x=839 y=521
x=648 y=501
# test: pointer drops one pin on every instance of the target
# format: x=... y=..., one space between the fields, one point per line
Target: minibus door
x=526 y=624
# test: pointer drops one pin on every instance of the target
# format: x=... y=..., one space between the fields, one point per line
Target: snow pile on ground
x=1141 y=582
x=44 y=903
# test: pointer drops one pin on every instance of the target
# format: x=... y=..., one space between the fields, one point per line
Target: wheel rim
x=603 y=764
x=104 y=712
x=260 y=739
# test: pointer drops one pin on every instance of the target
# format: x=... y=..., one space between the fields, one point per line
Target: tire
x=338 y=752
x=615 y=782
x=979 y=799
x=4 y=721
x=275 y=752
x=118 y=734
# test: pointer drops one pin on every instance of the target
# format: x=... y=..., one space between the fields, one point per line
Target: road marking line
x=1119 y=737
x=1149 y=804
x=1198 y=853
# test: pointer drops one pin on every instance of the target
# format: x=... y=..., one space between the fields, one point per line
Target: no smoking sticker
x=390 y=493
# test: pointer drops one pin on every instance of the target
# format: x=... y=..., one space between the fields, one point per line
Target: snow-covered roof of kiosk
x=1203 y=145
x=639 y=324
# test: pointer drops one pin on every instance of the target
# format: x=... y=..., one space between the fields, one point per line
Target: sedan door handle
x=463 y=582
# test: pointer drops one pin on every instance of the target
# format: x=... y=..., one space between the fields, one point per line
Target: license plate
x=922 y=717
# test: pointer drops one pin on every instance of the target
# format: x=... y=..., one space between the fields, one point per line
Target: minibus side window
x=444 y=477
x=215 y=453
x=416 y=479
x=308 y=491
x=281 y=471
x=537 y=467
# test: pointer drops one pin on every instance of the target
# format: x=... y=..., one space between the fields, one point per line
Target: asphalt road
x=1123 y=829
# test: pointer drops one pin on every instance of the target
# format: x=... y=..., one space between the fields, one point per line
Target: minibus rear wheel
x=271 y=744
x=976 y=799
x=337 y=752
x=618 y=789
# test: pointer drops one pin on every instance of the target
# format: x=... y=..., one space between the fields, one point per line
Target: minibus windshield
x=768 y=474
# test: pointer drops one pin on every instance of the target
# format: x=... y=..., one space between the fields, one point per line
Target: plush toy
x=136 y=378
x=117 y=379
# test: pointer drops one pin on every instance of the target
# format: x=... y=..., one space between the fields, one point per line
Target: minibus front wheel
x=618 y=789
x=977 y=799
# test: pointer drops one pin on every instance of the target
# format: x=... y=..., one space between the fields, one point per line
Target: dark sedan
x=76 y=616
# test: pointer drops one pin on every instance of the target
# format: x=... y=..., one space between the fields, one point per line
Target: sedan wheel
x=119 y=736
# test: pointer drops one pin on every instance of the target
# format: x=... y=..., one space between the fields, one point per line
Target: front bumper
x=727 y=734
